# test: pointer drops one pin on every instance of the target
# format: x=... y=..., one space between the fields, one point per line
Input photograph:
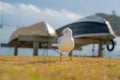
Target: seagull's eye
x=65 y=31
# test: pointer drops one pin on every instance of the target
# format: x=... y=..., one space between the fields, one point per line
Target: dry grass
x=50 y=68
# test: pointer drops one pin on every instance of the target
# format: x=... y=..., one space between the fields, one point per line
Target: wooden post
x=16 y=51
x=100 y=49
x=35 y=47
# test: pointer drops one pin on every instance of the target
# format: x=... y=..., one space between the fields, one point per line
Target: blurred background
x=15 y=14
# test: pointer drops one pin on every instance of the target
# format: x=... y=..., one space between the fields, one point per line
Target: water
x=87 y=50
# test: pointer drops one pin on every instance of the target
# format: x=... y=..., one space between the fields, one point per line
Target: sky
x=57 y=13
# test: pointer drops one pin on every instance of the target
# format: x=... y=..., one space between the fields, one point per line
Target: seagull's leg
x=60 y=56
x=70 y=55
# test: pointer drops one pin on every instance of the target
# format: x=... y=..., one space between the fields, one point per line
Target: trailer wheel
x=111 y=46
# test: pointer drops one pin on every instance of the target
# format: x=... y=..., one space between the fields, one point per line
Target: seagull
x=66 y=42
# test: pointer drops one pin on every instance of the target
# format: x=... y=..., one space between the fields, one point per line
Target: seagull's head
x=67 y=31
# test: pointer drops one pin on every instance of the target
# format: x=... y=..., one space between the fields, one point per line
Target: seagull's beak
x=61 y=33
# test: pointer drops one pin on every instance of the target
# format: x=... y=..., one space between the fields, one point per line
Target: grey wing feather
x=59 y=40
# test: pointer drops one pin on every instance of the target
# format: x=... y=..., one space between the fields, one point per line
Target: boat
x=92 y=29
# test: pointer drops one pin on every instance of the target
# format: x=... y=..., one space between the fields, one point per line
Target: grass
x=50 y=68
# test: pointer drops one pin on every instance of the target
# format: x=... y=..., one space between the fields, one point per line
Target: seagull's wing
x=59 y=40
